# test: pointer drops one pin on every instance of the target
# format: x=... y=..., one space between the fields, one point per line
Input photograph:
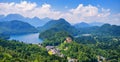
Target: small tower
x=68 y=40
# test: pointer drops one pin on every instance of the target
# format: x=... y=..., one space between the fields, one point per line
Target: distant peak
x=14 y=15
x=35 y=18
x=84 y=22
x=61 y=19
x=106 y=25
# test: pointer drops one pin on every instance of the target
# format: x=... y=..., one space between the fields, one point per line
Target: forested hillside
x=105 y=29
x=85 y=48
x=58 y=25
x=15 y=51
x=16 y=27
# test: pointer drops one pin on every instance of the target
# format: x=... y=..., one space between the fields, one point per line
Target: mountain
x=10 y=17
x=82 y=25
x=105 y=29
x=16 y=27
x=96 y=24
x=33 y=21
x=37 y=22
x=58 y=25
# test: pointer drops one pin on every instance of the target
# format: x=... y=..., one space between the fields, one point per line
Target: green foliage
x=89 y=52
x=15 y=51
x=86 y=40
x=85 y=48
x=53 y=38
x=81 y=52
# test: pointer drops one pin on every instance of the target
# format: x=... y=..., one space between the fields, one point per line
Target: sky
x=74 y=11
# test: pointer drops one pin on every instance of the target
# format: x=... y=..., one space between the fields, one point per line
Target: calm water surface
x=27 y=38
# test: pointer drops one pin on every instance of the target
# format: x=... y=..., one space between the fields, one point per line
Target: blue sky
x=74 y=11
x=114 y=5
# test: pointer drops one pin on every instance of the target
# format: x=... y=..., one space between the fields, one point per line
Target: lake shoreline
x=27 y=38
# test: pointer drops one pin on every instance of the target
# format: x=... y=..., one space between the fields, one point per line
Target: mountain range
x=82 y=25
x=85 y=25
x=15 y=23
x=105 y=29
x=33 y=21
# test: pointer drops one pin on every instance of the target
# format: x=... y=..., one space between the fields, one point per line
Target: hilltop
x=16 y=27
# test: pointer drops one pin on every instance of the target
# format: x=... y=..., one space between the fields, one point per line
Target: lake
x=27 y=38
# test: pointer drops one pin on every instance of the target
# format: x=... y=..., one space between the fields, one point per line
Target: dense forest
x=15 y=51
x=11 y=51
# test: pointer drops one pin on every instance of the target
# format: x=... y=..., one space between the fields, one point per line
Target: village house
x=54 y=51
x=72 y=59
x=50 y=47
x=101 y=59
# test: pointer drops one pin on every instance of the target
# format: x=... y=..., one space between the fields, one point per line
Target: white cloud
x=81 y=13
x=25 y=6
x=20 y=8
x=28 y=9
x=86 y=14
x=85 y=11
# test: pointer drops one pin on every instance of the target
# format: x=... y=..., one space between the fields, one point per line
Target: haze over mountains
x=82 y=25
x=33 y=21
x=37 y=22
x=18 y=22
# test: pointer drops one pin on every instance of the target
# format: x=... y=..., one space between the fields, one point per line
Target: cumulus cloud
x=86 y=13
x=28 y=9
x=20 y=8
x=81 y=13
